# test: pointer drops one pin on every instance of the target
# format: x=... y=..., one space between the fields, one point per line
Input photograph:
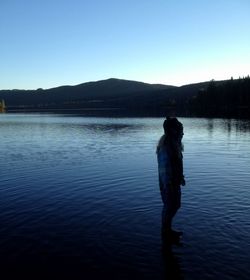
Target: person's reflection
x=172 y=269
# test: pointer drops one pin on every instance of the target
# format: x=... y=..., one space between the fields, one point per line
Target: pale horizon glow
x=45 y=44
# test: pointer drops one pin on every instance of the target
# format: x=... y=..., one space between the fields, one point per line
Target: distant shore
x=116 y=97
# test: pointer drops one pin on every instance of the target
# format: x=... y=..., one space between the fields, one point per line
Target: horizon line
x=95 y=81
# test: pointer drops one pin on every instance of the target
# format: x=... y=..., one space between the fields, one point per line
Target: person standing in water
x=170 y=169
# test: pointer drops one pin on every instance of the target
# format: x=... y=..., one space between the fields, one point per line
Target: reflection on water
x=229 y=125
x=171 y=262
x=80 y=196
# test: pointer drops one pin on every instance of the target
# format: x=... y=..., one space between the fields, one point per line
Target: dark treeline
x=228 y=99
x=116 y=97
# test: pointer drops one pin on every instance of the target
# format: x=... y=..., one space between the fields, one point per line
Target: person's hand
x=183 y=182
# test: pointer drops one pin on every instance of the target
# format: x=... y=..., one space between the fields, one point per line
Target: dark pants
x=171 y=197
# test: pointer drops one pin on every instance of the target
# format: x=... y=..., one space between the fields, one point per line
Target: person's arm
x=178 y=176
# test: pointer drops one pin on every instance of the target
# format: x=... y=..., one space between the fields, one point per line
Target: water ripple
x=85 y=191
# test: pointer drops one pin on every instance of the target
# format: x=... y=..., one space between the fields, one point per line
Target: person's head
x=173 y=128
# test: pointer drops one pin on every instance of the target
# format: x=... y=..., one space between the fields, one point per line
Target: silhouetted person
x=170 y=167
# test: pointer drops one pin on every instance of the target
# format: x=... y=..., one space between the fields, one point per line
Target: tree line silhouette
x=228 y=99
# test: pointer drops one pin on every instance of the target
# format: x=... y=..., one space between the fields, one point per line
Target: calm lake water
x=80 y=195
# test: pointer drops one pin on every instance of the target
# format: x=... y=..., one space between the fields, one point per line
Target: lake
x=79 y=196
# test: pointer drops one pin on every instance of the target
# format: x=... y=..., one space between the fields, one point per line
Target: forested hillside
x=116 y=97
x=228 y=99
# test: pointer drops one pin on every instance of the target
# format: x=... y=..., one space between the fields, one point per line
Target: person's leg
x=175 y=201
x=168 y=235
x=166 y=219
x=166 y=209
x=171 y=198
x=175 y=205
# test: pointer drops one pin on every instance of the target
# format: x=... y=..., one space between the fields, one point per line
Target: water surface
x=80 y=195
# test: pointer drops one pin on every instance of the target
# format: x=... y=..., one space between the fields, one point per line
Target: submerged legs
x=171 y=198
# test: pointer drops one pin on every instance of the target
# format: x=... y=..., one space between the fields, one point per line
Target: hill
x=105 y=94
x=119 y=97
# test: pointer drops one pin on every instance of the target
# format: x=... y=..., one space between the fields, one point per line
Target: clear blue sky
x=47 y=43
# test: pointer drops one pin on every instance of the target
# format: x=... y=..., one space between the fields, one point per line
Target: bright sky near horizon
x=48 y=43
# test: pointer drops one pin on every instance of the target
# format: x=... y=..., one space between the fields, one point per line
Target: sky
x=49 y=43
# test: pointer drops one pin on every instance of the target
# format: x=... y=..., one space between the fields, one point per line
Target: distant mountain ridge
x=102 y=90
x=114 y=83
x=126 y=97
x=107 y=88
